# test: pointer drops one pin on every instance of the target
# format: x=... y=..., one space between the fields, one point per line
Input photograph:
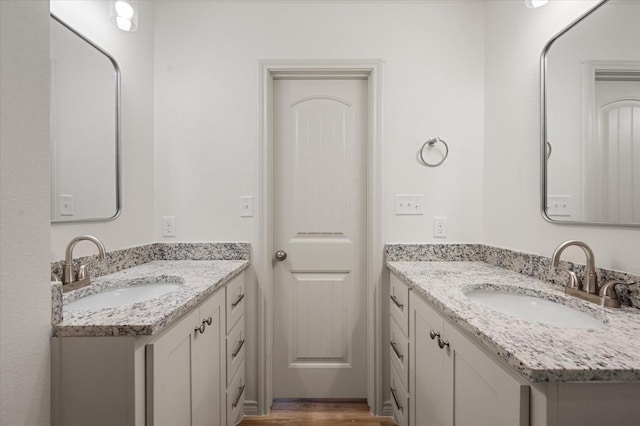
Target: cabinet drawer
x=235 y=301
x=399 y=303
x=235 y=398
x=399 y=399
x=235 y=349
x=399 y=352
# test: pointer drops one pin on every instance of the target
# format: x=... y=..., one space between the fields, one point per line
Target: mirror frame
x=118 y=138
x=543 y=130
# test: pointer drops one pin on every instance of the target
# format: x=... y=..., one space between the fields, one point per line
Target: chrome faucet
x=72 y=279
x=590 y=282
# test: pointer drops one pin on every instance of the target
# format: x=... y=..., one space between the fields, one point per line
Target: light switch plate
x=246 y=206
x=66 y=205
x=409 y=204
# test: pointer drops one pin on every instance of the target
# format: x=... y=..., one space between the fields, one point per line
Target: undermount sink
x=532 y=308
x=134 y=293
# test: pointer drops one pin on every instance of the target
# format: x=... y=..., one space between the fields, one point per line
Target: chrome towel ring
x=431 y=143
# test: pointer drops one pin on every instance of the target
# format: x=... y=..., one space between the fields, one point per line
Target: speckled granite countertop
x=539 y=352
x=200 y=279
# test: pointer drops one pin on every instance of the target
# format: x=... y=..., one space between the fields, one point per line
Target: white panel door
x=612 y=192
x=320 y=221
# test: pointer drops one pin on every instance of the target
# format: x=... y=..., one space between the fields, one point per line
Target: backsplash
x=127 y=258
x=528 y=264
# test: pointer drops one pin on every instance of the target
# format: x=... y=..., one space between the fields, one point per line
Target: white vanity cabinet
x=235 y=338
x=454 y=383
x=440 y=378
x=180 y=377
x=186 y=370
x=399 y=351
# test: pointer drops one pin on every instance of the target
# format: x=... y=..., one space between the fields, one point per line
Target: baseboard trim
x=387 y=410
x=251 y=408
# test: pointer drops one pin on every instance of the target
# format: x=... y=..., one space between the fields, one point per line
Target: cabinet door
x=169 y=375
x=426 y=367
x=479 y=392
x=208 y=392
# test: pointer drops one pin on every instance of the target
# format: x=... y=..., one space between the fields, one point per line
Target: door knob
x=281 y=255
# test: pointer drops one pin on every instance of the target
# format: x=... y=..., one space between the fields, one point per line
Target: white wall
x=206 y=109
x=25 y=297
x=206 y=133
x=515 y=38
x=134 y=54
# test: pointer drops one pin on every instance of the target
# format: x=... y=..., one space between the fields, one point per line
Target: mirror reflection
x=84 y=128
x=591 y=164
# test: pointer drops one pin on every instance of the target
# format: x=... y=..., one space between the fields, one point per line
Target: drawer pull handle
x=201 y=329
x=434 y=334
x=395 y=349
x=395 y=399
x=234 y=304
x=398 y=304
x=208 y=321
x=235 y=404
x=442 y=343
x=237 y=351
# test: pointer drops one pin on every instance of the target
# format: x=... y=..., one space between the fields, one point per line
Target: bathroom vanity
x=456 y=362
x=175 y=359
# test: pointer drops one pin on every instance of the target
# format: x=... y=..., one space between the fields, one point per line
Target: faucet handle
x=574 y=281
x=83 y=271
x=608 y=290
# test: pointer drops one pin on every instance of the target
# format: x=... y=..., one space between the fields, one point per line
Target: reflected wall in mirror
x=85 y=136
x=591 y=118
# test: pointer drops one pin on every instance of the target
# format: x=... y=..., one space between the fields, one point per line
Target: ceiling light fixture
x=532 y=4
x=124 y=14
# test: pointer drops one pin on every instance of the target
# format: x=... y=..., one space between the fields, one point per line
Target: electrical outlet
x=440 y=227
x=169 y=226
x=409 y=204
x=559 y=205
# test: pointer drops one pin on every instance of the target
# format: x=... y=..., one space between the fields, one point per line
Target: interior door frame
x=371 y=70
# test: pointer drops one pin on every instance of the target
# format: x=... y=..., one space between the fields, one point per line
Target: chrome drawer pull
x=235 y=404
x=234 y=304
x=201 y=328
x=398 y=304
x=395 y=399
x=395 y=349
x=208 y=321
x=433 y=334
x=235 y=354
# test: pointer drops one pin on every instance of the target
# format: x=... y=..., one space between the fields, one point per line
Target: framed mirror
x=591 y=118
x=85 y=128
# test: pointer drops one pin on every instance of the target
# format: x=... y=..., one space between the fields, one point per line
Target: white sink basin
x=123 y=296
x=533 y=309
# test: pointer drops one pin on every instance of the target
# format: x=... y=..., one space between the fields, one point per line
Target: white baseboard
x=251 y=408
x=386 y=409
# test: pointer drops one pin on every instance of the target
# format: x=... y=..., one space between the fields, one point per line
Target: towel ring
x=431 y=142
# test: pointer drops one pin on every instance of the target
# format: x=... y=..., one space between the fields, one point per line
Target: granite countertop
x=200 y=279
x=539 y=352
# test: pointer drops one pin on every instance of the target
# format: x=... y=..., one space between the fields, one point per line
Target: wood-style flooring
x=303 y=412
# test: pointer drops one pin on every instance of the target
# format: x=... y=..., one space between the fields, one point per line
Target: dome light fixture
x=532 y=4
x=124 y=14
